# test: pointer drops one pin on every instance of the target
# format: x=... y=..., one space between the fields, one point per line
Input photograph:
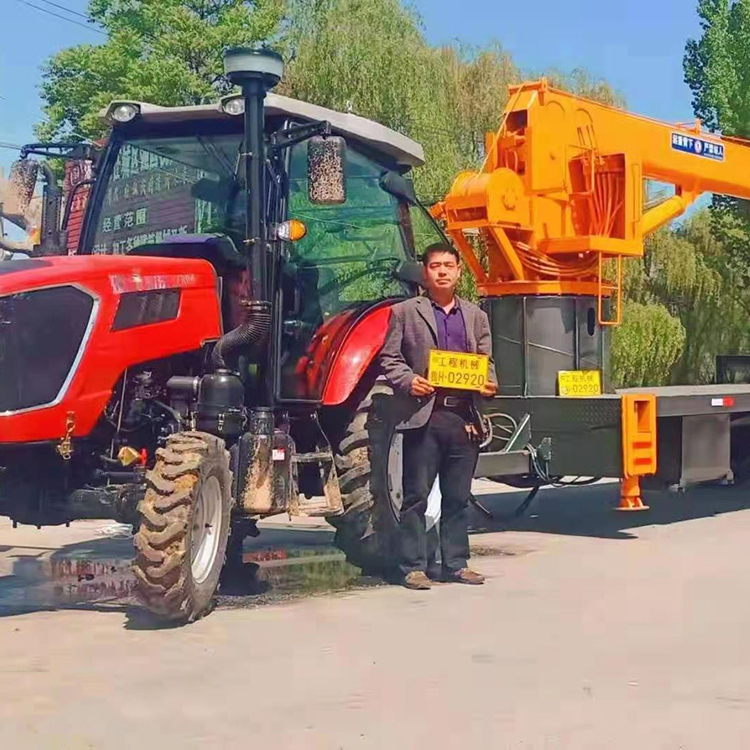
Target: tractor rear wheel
x=368 y=464
x=185 y=520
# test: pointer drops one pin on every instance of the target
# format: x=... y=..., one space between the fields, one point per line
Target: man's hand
x=471 y=431
x=488 y=389
x=421 y=387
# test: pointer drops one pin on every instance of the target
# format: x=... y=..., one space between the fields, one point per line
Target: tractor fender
x=357 y=352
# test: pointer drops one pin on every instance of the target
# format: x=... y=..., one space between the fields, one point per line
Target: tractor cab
x=344 y=226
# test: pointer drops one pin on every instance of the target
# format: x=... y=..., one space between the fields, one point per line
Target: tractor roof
x=404 y=150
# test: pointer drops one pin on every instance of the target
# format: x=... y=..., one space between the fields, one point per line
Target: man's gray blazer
x=412 y=333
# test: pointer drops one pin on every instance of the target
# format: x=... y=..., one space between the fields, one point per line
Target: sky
x=27 y=38
x=636 y=45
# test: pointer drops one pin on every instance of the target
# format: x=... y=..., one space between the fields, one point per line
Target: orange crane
x=562 y=188
x=560 y=192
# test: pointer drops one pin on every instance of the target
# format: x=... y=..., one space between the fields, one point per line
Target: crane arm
x=562 y=189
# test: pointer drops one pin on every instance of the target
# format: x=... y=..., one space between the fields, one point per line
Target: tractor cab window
x=345 y=262
x=159 y=187
x=350 y=250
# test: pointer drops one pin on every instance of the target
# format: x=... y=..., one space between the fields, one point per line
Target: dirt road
x=595 y=630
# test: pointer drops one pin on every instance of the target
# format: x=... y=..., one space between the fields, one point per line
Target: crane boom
x=562 y=189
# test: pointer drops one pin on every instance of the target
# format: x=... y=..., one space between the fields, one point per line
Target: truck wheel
x=185 y=518
x=369 y=469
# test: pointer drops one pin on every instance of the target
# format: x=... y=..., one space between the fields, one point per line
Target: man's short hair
x=439 y=247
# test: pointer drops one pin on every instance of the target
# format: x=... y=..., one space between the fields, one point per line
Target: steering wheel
x=388 y=264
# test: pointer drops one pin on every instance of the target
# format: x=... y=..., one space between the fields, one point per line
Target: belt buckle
x=451 y=402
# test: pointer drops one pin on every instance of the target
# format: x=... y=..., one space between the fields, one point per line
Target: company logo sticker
x=698 y=147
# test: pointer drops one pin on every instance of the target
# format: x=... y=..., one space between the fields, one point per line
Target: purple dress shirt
x=451 y=328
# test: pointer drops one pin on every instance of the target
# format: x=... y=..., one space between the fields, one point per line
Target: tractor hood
x=70 y=327
x=113 y=274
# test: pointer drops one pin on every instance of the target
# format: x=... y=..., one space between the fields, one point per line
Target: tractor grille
x=41 y=335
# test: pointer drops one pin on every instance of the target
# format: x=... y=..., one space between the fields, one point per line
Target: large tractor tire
x=184 y=527
x=368 y=464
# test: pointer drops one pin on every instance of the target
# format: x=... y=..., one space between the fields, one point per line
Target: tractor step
x=331 y=503
x=315 y=507
x=313 y=458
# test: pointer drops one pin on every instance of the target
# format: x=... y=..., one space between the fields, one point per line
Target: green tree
x=716 y=66
x=646 y=345
x=581 y=83
x=685 y=274
x=371 y=58
x=716 y=313
x=661 y=289
x=717 y=69
x=163 y=51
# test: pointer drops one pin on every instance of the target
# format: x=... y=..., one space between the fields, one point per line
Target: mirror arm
x=287 y=137
x=84 y=151
x=50 y=180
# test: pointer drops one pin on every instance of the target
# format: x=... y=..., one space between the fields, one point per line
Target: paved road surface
x=595 y=630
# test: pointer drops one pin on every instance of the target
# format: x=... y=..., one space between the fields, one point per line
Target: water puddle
x=99 y=574
x=275 y=575
x=280 y=565
x=65 y=582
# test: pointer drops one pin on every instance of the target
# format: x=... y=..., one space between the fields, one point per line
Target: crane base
x=632 y=508
x=630 y=496
x=534 y=337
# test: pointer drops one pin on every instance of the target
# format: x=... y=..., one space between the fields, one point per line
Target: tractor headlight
x=233 y=105
x=123 y=111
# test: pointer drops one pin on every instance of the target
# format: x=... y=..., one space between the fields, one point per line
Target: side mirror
x=411 y=272
x=21 y=183
x=213 y=191
x=400 y=186
x=326 y=160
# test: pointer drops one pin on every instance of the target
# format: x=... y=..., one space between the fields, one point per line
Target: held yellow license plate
x=468 y=372
x=579 y=383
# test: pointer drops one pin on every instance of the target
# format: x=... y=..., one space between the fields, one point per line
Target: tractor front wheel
x=184 y=527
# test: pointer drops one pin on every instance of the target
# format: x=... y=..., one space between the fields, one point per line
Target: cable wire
x=66 y=9
x=63 y=18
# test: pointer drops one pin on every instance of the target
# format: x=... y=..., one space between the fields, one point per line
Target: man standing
x=440 y=439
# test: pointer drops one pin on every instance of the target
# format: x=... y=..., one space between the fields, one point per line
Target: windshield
x=352 y=249
x=160 y=187
x=347 y=259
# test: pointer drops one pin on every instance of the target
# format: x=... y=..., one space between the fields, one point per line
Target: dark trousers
x=441 y=448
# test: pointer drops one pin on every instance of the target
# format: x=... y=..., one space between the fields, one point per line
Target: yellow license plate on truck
x=579 y=383
x=469 y=372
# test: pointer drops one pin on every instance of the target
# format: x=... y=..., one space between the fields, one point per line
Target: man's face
x=442 y=272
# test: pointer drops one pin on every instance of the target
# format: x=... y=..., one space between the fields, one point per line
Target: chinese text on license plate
x=579 y=383
x=458 y=370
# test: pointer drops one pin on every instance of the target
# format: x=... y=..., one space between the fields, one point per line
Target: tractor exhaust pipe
x=255 y=71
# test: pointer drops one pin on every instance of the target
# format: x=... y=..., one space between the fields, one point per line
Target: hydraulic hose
x=513 y=515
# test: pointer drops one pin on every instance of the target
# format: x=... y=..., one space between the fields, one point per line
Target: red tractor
x=207 y=356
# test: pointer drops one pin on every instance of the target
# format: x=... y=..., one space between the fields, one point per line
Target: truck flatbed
x=689 y=400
